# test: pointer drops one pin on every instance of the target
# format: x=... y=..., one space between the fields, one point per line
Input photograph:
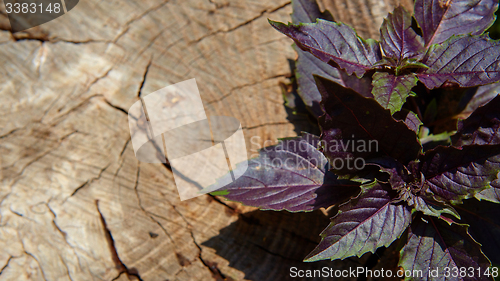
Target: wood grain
x=366 y=16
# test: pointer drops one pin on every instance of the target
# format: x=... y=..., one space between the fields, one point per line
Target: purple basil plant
x=384 y=159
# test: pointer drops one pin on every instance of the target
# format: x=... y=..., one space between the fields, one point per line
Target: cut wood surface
x=366 y=16
x=75 y=204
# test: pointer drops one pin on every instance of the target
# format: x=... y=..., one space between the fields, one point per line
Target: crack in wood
x=265 y=124
x=139 y=93
x=262 y=13
x=79 y=188
x=164 y=218
x=50 y=149
x=19 y=176
x=60 y=118
x=125 y=147
x=119 y=275
x=212 y=266
x=216 y=199
x=33 y=161
x=68 y=135
x=85 y=101
x=32 y=256
x=139 y=17
x=122 y=161
x=167 y=166
x=67 y=268
x=112 y=247
x=89 y=181
x=147 y=12
x=44 y=37
x=115 y=107
x=144 y=210
x=247 y=85
x=182 y=216
x=65 y=236
x=11 y=132
x=88 y=41
x=153 y=40
x=6 y=265
x=216 y=273
x=96 y=80
x=20 y=215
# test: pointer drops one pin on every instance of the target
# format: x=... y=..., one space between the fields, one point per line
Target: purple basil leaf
x=398 y=40
x=483 y=219
x=356 y=127
x=440 y=19
x=411 y=119
x=309 y=65
x=290 y=176
x=455 y=174
x=362 y=225
x=337 y=42
x=398 y=174
x=391 y=91
x=482 y=127
x=362 y=86
x=406 y=64
x=413 y=122
x=434 y=244
x=431 y=207
x=491 y=194
x=467 y=61
x=407 y=184
x=308 y=11
x=482 y=96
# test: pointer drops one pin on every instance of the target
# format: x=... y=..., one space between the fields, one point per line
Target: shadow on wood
x=265 y=245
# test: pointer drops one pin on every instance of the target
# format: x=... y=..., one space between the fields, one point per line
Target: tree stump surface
x=75 y=204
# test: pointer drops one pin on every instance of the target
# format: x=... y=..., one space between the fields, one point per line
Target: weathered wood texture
x=365 y=15
x=75 y=202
